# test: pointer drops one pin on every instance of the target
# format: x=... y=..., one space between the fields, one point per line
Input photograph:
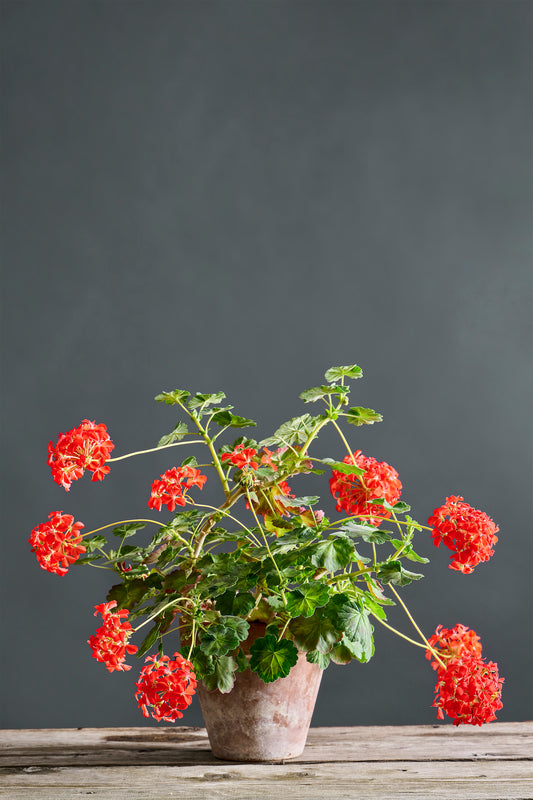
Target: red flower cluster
x=469 y=533
x=468 y=689
x=171 y=489
x=86 y=447
x=242 y=457
x=166 y=685
x=56 y=543
x=110 y=644
x=355 y=492
x=454 y=643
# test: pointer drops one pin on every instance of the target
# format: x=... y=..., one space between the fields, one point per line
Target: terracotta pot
x=259 y=721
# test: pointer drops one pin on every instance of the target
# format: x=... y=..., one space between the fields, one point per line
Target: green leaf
x=223 y=676
x=351 y=617
x=361 y=648
x=200 y=399
x=362 y=416
x=295 y=502
x=334 y=373
x=219 y=640
x=374 y=607
x=242 y=661
x=303 y=601
x=394 y=572
x=238 y=625
x=127 y=594
x=203 y=665
x=275 y=602
x=317 y=392
x=149 y=640
x=221 y=572
x=176 y=580
x=316 y=657
x=366 y=533
x=346 y=650
x=130 y=529
x=93 y=542
x=314 y=633
x=401 y=508
x=341 y=654
x=226 y=418
x=272 y=659
x=333 y=554
x=236 y=604
x=174 y=436
x=176 y=397
x=294 y=431
x=380 y=501
x=410 y=554
x=341 y=466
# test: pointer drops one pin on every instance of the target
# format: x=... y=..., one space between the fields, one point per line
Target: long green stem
x=267 y=547
x=216 y=461
x=313 y=435
x=226 y=514
x=371 y=516
x=428 y=646
x=193 y=634
x=398 y=633
x=152 y=450
x=123 y=522
x=160 y=610
x=207 y=527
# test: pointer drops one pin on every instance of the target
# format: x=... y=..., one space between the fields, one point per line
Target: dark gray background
x=237 y=195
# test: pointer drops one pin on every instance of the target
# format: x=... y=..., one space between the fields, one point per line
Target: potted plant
x=252 y=598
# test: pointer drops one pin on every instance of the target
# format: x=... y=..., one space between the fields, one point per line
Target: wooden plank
x=182 y=745
x=489 y=780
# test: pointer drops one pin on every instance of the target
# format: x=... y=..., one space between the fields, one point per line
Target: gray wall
x=237 y=195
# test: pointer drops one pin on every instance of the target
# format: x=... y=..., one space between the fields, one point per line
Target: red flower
x=110 y=644
x=354 y=492
x=166 y=685
x=57 y=543
x=242 y=457
x=86 y=447
x=469 y=533
x=454 y=643
x=266 y=458
x=468 y=690
x=171 y=490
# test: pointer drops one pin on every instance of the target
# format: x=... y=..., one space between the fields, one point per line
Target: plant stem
x=280 y=637
x=313 y=435
x=226 y=514
x=193 y=633
x=205 y=530
x=398 y=633
x=122 y=522
x=152 y=450
x=267 y=547
x=159 y=610
x=209 y=443
x=428 y=646
x=341 y=434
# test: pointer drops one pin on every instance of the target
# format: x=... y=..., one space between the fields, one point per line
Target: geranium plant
x=264 y=554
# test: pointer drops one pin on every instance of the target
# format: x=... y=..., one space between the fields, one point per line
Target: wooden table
x=416 y=762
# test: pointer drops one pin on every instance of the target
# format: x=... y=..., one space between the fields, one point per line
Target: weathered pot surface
x=259 y=721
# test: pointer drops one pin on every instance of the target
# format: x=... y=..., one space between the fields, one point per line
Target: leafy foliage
x=264 y=554
x=272 y=658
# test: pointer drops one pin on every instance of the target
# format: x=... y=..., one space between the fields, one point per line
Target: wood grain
x=389 y=763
